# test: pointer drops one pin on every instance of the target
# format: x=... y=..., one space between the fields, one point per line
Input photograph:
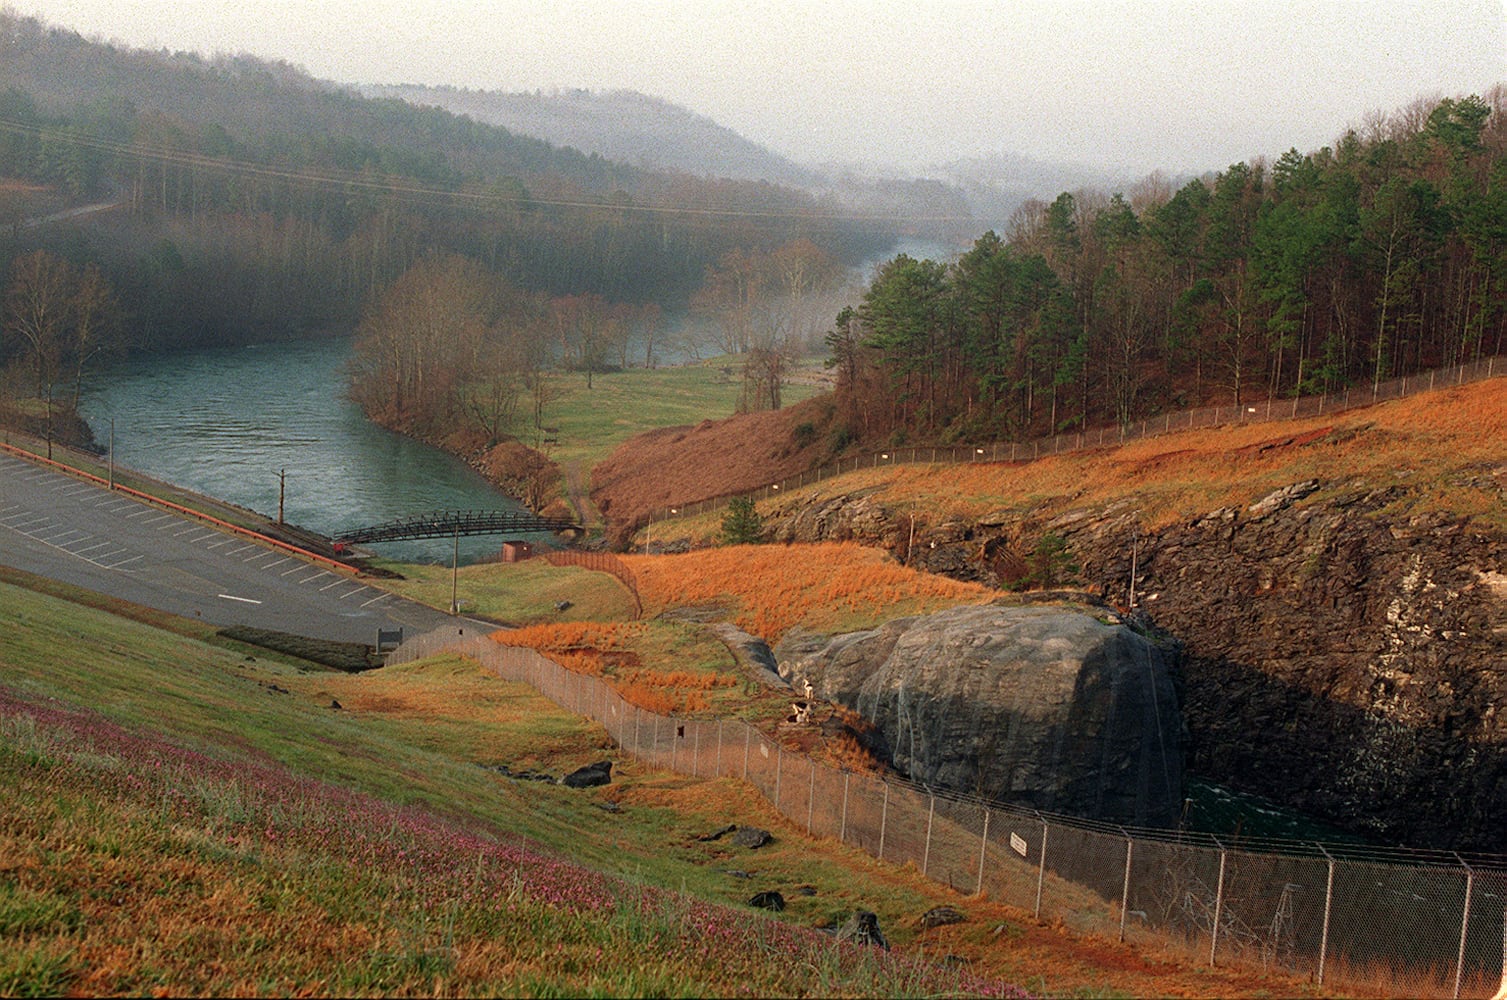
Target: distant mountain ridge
x=623 y=125
x=651 y=133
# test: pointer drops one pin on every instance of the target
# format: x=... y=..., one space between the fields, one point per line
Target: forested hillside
x=1382 y=255
x=256 y=201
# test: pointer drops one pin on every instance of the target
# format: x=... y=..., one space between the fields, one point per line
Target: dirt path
x=579 y=497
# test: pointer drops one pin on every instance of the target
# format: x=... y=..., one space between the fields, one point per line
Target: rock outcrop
x=1345 y=646
x=1044 y=706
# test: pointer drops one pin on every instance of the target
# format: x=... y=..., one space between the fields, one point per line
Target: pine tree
x=742 y=525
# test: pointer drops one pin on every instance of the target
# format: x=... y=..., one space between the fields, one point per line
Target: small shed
x=516 y=551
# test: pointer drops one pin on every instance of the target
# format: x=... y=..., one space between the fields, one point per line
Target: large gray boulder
x=1044 y=706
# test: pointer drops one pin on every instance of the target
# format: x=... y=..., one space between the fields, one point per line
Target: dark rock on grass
x=718 y=834
x=768 y=900
x=939 y=916
x=751 y=837
x=863 y=928
x=589 y=776
x=529 y=775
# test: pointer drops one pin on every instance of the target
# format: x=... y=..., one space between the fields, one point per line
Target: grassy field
x=186 y=815
x=592 y=422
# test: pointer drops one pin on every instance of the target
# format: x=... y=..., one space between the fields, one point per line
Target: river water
x=228 y=422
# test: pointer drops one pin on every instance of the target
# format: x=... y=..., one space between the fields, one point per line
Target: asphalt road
x=81 y=533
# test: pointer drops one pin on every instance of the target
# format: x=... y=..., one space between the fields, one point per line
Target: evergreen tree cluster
x=1383 y=255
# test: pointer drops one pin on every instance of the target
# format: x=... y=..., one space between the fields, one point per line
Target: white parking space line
x=163 y=517
x=224 y=541
x=58 y=538
x=100 y=545
x=279 y=562
x=295 y=569
x=338 y=582
x=381 y=596
x=123 y=562
x=27 y=522
x=140 y=512
x=240 y=548
x=314 y=576
x=79 y=489
x=350 y=593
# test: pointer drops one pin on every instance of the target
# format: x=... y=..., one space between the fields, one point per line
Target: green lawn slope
x=185 y=815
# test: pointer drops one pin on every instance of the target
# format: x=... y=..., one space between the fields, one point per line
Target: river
x=232 y=422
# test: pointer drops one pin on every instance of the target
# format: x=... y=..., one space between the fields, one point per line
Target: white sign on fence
x=1018 y=844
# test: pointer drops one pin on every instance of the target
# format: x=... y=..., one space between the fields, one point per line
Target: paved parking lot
x=54 y=525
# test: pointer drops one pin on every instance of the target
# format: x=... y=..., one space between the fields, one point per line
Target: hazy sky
x=1128 y=85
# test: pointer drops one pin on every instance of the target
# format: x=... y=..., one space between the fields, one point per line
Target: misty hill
x=622 y=125
x=653 y=134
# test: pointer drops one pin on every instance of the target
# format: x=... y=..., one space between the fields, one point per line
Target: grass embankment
x=1444 y=447
x=185 y=817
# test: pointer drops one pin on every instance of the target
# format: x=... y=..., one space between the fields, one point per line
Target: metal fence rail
x=1407 y=923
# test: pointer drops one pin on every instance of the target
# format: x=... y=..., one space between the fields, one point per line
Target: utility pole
x=455 y=573
x=282 y=483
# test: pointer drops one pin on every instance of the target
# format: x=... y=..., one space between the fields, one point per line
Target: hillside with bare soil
x=715 y=458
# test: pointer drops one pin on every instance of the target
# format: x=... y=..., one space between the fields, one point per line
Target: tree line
x=450 y=344
x=1380 y=256
x=256 y=202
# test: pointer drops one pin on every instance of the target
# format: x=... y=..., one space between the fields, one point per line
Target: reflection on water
x=230 y=422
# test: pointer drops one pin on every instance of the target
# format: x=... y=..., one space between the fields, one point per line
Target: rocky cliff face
x=1047 y=706
x=1342 y=655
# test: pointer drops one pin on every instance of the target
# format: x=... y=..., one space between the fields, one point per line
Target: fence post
x=884 y=815
x=1218 y=904
x=810 y=795
x=842 y=831
x=1328 y=902
x=675 y=731
x=931 y=812
x=983 y=846
x=779 y=761
x=1041 y=868
x=1470 y=881
x=638 y=714
x=1125 y=891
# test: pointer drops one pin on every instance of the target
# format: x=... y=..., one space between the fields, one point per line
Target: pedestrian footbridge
x=454 y=523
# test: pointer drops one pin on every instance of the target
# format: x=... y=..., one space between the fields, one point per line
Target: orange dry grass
x=570 y=636
x=771 y=589
x=603 y=650
x=1187 y=473
x=672 y=692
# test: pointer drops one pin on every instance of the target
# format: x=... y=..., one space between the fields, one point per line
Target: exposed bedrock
x=1345 y=647
x=1050 y=707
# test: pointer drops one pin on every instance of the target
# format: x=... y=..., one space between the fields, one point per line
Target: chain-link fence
x=1210 y=416
x=1405 y=923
